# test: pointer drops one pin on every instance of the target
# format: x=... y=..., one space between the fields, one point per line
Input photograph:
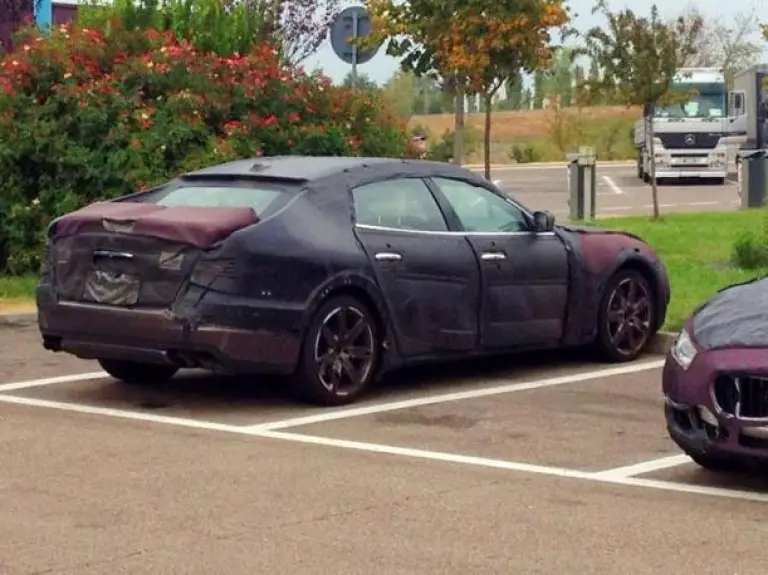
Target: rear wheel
x=138 y=373
x=340 y=354
x=626 y=317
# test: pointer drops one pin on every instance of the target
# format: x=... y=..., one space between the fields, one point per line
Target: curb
x=662 y=342
x=564 y=163
x=18 y=319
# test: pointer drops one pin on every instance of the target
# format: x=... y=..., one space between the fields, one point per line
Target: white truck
x=692 y=137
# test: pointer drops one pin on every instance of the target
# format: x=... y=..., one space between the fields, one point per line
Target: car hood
x=734 y=317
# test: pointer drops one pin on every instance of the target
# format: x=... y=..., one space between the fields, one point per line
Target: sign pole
x=355 y=34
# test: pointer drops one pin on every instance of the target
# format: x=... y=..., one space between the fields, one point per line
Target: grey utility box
x=753 y=165
x=582 y=184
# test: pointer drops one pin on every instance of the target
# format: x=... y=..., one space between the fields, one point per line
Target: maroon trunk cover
x=197 y=226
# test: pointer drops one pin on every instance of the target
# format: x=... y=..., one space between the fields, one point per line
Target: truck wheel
x=639 y=166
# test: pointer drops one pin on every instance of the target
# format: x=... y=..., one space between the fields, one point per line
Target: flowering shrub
x=86 y=115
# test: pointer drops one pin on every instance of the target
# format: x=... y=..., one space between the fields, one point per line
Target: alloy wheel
x=629 y=315
x=344 y=350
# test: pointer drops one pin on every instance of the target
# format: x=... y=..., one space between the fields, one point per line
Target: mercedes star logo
x=690 y=140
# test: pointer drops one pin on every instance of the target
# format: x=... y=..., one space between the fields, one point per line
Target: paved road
x=501 y=467
x=620 y=192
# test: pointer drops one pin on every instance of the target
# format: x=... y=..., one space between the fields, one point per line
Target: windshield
x=703 y=101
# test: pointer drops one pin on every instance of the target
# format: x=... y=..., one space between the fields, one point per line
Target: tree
x=360 y=81
x=515 y=93
x=730 y=46
x=432 y=37
x=639 y=58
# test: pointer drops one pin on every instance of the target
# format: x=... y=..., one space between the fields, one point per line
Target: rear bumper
x=223 y=336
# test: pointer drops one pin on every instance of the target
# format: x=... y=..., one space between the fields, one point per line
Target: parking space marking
x=446 y=457
x=120 y=413
x=6 y=387
x=618 y=476
x=645 y=467
x=454 y=396
x=611 y=184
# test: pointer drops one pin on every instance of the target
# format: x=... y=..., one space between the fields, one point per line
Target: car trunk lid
x=133 y=253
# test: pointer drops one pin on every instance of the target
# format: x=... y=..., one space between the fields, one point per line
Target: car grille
x=701 y=140
x=744 y=397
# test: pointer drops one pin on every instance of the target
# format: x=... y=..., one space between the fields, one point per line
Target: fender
x=357 y=281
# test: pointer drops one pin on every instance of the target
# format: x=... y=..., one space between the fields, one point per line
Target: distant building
x=63 y=12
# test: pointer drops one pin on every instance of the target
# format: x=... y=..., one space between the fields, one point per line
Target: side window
x=480 y=210
x=402 y=203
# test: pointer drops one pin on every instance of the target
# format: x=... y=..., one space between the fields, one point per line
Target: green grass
x=696 y=248
x=17 y=292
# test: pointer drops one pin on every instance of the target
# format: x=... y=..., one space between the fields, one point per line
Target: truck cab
x=691 y=136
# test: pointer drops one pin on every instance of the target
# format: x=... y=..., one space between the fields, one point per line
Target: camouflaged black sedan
x=332 y=270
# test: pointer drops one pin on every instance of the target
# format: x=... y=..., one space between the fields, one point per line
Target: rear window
x=258 y=198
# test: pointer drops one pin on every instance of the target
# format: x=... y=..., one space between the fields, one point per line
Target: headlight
x=683 y=350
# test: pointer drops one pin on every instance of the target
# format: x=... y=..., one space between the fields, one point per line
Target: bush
x=442 y=150
x=750 y=250
x=525 y=153
x=86 y=115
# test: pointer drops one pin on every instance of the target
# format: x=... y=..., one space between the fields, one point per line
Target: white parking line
x=645 y=467
x=445 y=457
x=120 y=413
x=333 y=415
x=6 y=387
x=611 y=184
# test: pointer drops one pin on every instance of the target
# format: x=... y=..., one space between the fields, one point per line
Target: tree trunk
x=652 y=164
x=458 y=128
x=487 y=136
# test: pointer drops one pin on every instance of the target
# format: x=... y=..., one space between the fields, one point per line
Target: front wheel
x=626 y=317
x=138 y=373
x=718 y=463
x=340 y=354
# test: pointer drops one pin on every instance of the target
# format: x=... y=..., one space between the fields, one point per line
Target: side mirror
x=543 y=222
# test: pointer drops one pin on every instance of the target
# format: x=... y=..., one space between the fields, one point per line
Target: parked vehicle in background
x=693 y=135
x=334 y=270
x=715 y=380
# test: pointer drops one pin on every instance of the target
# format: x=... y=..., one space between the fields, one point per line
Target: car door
x=428 y=276
x=524 y=274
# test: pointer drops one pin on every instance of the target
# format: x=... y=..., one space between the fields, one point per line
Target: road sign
x=352 y=22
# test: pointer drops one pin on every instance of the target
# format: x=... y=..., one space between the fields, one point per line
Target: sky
x=381 y=67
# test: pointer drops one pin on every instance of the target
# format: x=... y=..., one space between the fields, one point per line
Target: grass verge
x=696 y=249
x=17 y=294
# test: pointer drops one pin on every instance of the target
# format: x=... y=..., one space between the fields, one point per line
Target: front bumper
x=696 y=420
x=220 y=333
x=684 y=173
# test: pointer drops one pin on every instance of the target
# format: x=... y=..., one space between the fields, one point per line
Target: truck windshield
x=704 y=102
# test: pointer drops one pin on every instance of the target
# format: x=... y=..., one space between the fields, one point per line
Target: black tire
x=610 y=343
x=639 y=166
x=138 y=373
x=334 y=370
x=718 y=463
x=646 y=178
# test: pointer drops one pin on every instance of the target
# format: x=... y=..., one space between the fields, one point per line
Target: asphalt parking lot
x=619 y=191
x=537 y=464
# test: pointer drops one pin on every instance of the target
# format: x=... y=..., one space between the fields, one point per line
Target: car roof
x=309 y=168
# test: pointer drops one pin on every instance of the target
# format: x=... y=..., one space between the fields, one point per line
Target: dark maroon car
x=715 y=380
x=335 y=270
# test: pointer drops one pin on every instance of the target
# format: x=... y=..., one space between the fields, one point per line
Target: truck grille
x=677 y=140
x=744 y=397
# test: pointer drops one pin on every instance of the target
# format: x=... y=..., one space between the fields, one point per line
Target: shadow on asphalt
x=202 y=388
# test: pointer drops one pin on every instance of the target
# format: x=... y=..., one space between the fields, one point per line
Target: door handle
x=492 y=256
x=388 y=257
